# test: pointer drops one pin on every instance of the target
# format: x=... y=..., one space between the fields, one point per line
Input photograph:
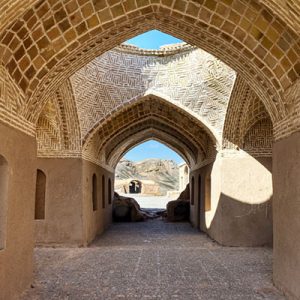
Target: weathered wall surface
x=16 y=258
x=286 y=176
x=96 y=221
x=63 y=202
x=241 y=192
x=198 y=215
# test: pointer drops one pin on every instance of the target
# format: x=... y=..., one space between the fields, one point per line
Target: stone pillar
x=286 y=210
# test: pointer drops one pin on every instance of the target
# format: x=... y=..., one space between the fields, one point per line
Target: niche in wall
x=109 y=191
x=207 y=189
x=94 y=192
x=3 y=199
x=40 y=195
x=103 y=191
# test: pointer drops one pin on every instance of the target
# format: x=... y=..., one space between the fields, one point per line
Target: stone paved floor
x=153 y=260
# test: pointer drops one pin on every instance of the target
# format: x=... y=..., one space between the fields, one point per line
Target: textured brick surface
x=58 y=38
x=192 y=79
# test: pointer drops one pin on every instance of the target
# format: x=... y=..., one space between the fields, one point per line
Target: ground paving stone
x=153 y=260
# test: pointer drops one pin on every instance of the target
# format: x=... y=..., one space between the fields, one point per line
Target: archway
x=39 y=51
x=135 y=187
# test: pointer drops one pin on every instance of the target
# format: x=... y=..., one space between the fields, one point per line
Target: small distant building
x=183 y=176
x=137 y=186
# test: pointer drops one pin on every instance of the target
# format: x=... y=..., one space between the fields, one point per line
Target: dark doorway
x=135 y=187
x=199 y=203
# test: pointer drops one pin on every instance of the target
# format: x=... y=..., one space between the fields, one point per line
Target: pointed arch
x=225 y=29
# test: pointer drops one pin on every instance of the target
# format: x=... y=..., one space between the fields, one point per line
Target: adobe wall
x=63 y=202
x=241 y=191
x=95 y=222
x=16 y=258
x=286 y=208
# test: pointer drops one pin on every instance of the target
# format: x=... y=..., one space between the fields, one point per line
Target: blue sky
x=153 y=39
x=152 y=149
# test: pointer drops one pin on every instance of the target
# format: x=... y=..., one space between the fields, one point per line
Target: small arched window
x=40 y=195
x=109 y=191
x=94 y=193
x=103 y=191
x=3 y=199
x=193 y=191
x=207 y=193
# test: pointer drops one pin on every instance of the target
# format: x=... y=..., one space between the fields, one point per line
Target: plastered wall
x=69 y=215
x=16 y=263
x=63 y=202
x=286 y=177
x=241 y=192
x=96 y=221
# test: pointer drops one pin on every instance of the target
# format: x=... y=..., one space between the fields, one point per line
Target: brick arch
x=57 y=129
x=245 y=112
x=200 y=150
x=116 y=152
x=149 y=112
x=155 y=103
x=151 y=105
x=288 y=11
x=246 y=37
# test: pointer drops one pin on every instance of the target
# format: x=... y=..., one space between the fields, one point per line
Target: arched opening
x=3 y=200
x=109 y=191
x=105 y=140
x=40 y=195
x=207 y=190
x=94 y=193
x=149 y=172
x=135 y=187
x=103 y=191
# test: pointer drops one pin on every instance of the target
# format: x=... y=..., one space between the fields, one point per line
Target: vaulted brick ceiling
x=186 y=76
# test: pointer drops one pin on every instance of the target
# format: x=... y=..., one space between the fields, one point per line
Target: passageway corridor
x=153 y=260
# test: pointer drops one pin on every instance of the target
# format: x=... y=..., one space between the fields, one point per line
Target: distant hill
x=164 y=172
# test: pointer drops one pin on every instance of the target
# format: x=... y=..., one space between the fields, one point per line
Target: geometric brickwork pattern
x=244 y=111
x=52 y=39
x=292 y=122
x=288 y=10
x=49 y=135
x=43 y=43
x=11 y=100
x=123 y=76
x=150 y=112
x=58 y=131
x=258 y=140
x=191 y=79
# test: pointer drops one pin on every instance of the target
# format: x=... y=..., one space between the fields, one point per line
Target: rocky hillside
x=164 y=172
